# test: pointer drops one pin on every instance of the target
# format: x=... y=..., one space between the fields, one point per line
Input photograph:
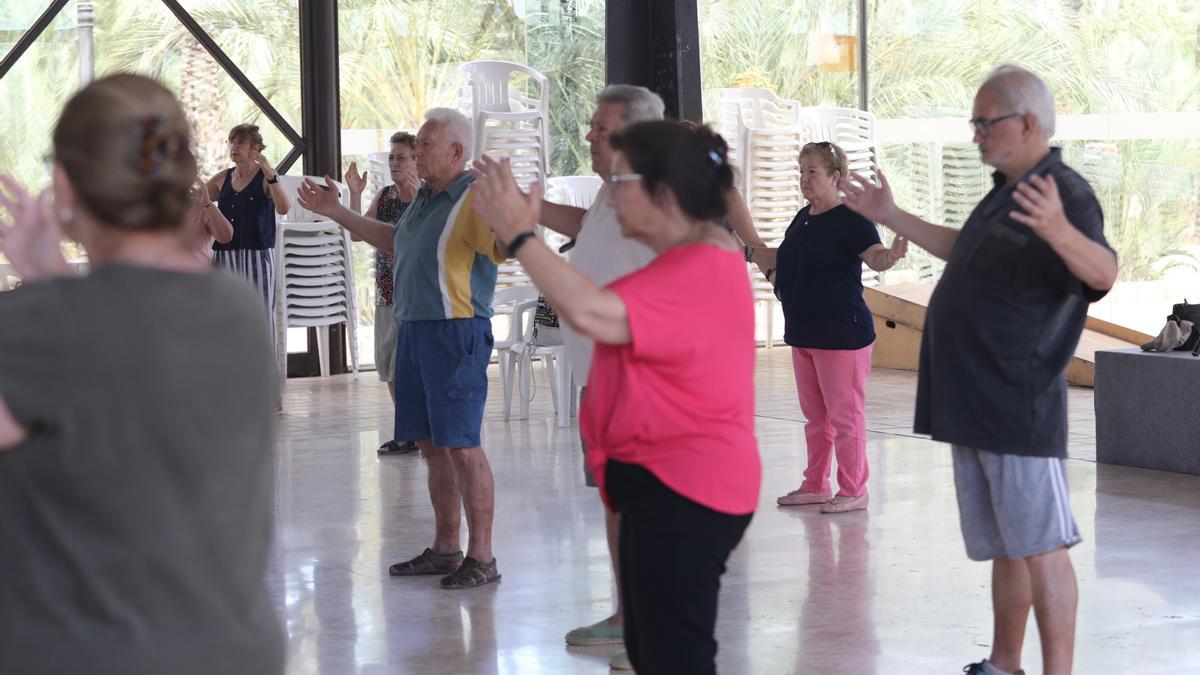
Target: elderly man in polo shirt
x=445 y=274
x=1001 y=327
x=604 y=255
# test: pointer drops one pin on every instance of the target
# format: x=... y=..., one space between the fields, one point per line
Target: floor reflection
x=884 y=591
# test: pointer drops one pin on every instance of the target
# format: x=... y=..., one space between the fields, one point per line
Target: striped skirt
x=258 y=268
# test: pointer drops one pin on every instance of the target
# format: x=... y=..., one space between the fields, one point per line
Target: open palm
x=30 y=237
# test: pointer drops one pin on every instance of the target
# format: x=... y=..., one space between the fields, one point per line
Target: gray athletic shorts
x=386 y=327
x=1012 y=506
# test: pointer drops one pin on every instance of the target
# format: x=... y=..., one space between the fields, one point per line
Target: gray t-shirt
x=135 y=521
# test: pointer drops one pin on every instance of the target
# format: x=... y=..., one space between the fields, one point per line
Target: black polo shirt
x=1003 y=324
x=819 y=280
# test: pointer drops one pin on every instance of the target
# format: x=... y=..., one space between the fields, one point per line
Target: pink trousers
x=830 y=383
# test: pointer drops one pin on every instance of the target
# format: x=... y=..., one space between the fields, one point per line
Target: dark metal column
x=657 y=45
x=862 y=55
x=321 y=127
x=321 y=122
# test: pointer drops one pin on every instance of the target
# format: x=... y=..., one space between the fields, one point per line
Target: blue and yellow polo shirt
x=445 y=257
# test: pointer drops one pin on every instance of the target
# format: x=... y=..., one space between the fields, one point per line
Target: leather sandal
x=470 y=574
x=427 y=563
x=397 y=448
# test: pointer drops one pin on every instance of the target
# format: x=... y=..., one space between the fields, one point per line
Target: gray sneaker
x=600 y=633
x=620 y=661
x=985 y=668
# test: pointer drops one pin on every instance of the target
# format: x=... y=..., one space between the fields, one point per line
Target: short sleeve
x=861 y=234
x=668 y=298
x=31 y=356
x=1083 y=211
x=476 y=233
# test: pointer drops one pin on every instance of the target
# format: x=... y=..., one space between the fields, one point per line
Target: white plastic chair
x=852 y=129
x=765 y=133
x=509 y=121
x=512 y=302
x=562 y=380
x=314 y=275
x=577 y=191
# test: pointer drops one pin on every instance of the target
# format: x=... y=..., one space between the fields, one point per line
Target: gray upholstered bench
x=1148 y=410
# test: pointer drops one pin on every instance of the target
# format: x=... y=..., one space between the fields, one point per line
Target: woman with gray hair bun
x=136 y=465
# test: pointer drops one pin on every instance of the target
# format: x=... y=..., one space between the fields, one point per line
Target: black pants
x=672 y=553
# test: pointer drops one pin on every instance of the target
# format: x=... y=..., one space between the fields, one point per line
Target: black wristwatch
x=273 y=179
x=768 y=273
x=519 y=241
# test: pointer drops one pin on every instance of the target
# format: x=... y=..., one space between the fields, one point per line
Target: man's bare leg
x=1012 y=599
x=1055 y=601
x=445 y=495
x=478 y=497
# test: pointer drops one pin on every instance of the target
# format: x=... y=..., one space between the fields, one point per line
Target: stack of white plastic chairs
x=765 y=134
x=314 y=275
x=379 y=175
x=509 y=108
x=853 y=130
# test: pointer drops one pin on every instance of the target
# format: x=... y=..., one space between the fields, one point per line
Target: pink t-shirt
x=197 y=233
x=679 y=399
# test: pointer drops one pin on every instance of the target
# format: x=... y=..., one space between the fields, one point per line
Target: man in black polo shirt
x=1002 y=326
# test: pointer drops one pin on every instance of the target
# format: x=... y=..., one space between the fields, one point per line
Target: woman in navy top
x=250 y=195
x=817 y=272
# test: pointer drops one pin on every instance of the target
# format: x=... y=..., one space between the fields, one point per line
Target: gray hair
x=639 y=103
x=1019 y=90
x=457 y=126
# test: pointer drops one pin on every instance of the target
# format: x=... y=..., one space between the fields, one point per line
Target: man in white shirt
x=604 y=255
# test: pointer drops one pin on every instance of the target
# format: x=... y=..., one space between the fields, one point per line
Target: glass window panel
x=1125 y=77
x=805 y=51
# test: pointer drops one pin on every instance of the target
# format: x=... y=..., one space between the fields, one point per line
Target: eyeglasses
x=824 y=145
x=618 y=178
x=983 y=125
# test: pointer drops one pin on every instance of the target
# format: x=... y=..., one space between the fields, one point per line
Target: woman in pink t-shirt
x=669 y=416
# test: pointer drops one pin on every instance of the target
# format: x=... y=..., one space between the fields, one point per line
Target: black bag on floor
x=1186 y=311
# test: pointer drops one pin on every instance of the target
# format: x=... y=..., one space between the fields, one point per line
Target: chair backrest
x=577 y=191
x=504 y=297
x=299 y=214
x=490 y=87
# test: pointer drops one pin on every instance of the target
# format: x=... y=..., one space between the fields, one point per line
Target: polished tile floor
x=888 y=590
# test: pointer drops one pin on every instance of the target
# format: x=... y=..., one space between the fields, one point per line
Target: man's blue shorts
x=441 y=380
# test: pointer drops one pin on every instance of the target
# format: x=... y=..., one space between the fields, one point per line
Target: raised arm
x=274 y=190
x=875 y=202
x=323 y=199
x=214 y=221
x=1042 y=211
x=563 y=219
x=740 y=219
x=882 y=258
x=593 y=311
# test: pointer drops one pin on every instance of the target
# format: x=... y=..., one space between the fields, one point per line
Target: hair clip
x=715 y=157
x=155 y=147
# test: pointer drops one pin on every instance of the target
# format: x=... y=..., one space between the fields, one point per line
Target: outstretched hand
x=898 y=249
x=507 y=210
x=30 y=238
x=320 y=199
x=354 y=180
x=874 y=202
